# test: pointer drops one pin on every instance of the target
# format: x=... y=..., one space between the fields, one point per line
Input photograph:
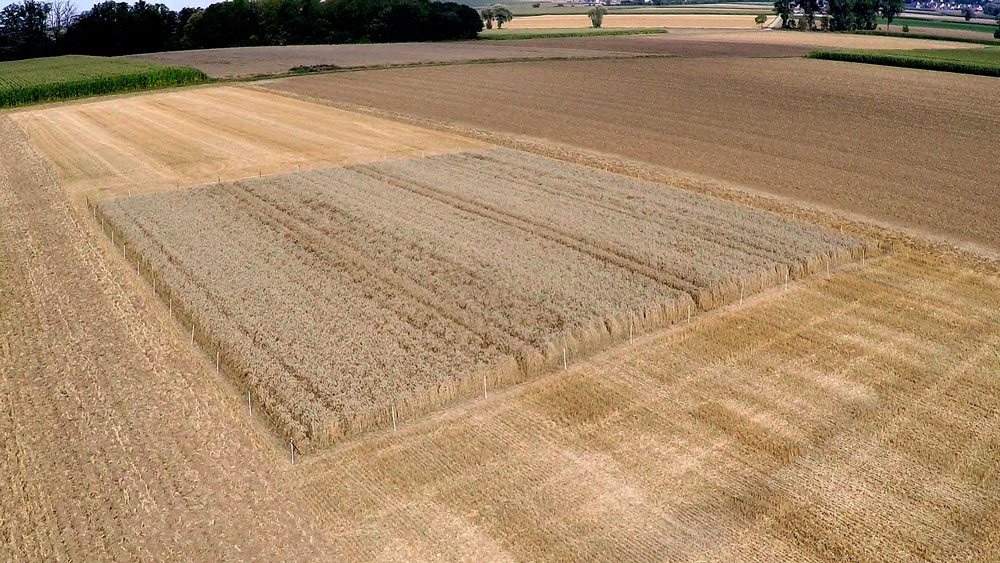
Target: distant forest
x=35 y=29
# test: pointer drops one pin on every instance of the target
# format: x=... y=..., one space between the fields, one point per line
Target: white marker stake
x=862 y=256
x=565 y=365
x=216 y=361
x=689 y=312
x=786 y=280
x=484 y=386
x=291 y=446
x=249 y=404
x=741 y=293
x=124 y=246
x=631 y=323
x=393 y=418
x=192 y=333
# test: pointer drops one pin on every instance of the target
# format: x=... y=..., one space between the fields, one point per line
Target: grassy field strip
x=450 y=286
x=983 y=61
x=74 y=76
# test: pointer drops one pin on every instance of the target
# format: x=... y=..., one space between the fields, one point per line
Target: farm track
x=115 y=445
x=671 y=115
x=473 y=287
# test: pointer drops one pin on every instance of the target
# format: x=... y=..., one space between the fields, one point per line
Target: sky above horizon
x=84 y=5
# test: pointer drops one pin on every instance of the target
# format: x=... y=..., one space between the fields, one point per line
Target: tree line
x=35 y=28
x=844 y=15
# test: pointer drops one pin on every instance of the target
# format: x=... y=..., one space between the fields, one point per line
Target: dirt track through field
x=905 y=147
x=115 y=444
x=162 y=140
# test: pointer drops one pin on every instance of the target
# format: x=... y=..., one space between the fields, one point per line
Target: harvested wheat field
x=674 y=44
x=348 y=298
x=619 y=20
x=851 y=419
x=114 y=445
x=239 y=62
x=837 y=143
x=170 y=139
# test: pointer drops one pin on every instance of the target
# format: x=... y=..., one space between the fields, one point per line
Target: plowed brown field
x=254 y=61
x=900 y=146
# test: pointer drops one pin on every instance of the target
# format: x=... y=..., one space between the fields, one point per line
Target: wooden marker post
x=689 y=313
x=216 y=361
x=741 y=293
x=291 y=447
x=393 y=418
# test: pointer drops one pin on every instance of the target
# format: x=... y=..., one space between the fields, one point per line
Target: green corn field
x=56 y=78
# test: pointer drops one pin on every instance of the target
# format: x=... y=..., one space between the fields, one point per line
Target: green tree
x=890 y=9
x=596 y=15
x=967 y=12
x=487 y=16
x=841 y=15
x=809 y=8
x=864 y=14
x=23 y=30
x=501 y=14
x=760 y=20
x=784 y=10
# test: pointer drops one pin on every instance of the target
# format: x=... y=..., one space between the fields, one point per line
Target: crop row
x=348 y=298
x=26 y=82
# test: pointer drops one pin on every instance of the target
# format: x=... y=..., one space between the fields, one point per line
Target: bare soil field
x=852 y=419
x=836 y=144
x=350 y=298
x=115 y=444
x=672 y=44
x=256 y=61
x=823 y=40
x=619 y=20
x=164 y=140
